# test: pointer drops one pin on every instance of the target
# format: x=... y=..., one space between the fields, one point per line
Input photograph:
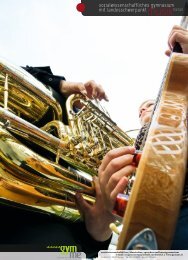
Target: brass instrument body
x=27 y=178
x=27 y=97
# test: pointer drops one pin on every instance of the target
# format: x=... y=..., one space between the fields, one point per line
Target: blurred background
x=124 y=54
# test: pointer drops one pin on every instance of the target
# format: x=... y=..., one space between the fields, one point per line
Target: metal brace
x=144 y=240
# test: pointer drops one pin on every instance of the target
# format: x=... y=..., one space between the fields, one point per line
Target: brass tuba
x=32 y=155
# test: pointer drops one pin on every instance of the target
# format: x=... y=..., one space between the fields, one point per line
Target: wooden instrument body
x=156 y=195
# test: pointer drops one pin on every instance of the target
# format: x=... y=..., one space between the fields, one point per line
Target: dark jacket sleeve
x=45 y=75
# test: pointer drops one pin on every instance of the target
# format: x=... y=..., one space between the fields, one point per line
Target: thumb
x=168 y=52
x=97 y=187
x=82 y=205
x=106 y=97
x=83 y=92
x=81 y=89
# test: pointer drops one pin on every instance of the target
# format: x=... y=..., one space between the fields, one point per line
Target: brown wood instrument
x=157 y=191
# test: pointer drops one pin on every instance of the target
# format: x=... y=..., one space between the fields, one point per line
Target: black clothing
x=33 y=231
x=25 y=230
x=45 y=75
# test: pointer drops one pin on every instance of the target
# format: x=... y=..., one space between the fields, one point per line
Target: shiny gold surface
x=27 y=177
x=28 y=98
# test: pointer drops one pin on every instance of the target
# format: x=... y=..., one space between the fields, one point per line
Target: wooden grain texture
x=156 y=195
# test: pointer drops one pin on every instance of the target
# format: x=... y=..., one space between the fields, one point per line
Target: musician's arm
x=90 y=88
x=180 y=35
x=45 y=75
x=96 y=217
x=113 y=172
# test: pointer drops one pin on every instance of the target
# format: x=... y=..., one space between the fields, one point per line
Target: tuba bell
x=33 y=155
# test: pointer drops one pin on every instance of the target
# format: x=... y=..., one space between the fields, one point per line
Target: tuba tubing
x=35 y=181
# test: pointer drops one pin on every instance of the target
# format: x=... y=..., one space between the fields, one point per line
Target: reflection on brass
x=27 y=177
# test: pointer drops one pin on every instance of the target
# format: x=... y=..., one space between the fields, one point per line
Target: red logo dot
x=80 y=7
